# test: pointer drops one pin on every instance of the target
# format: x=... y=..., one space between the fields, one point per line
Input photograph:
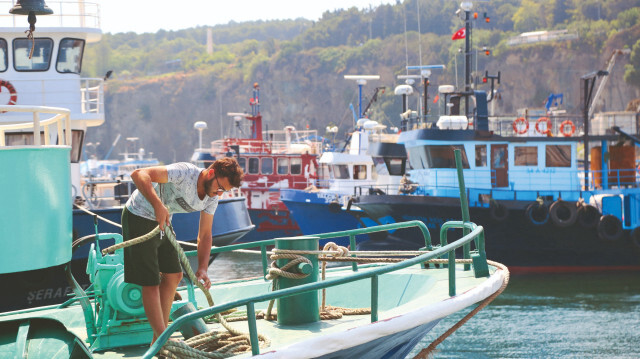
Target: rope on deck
x=207 y=345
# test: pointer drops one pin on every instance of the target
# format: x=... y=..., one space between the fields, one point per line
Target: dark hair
x=228 y=168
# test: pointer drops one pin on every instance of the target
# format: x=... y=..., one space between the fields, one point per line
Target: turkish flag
x=460 y=34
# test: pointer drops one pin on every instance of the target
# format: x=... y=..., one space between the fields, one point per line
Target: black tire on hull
x=588 y=216
x=537 y=213
x=610 y=228
x=563 y=213
x=498 y=212
x=634 y=237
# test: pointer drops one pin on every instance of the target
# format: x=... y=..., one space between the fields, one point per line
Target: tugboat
x=545 y=206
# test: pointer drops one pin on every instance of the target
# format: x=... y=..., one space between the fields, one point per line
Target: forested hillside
x=162 y=83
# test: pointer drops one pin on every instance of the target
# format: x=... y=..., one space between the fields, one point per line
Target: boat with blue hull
x=46 y=71
x=554 y=192
x=371 y=157
x=378 y=305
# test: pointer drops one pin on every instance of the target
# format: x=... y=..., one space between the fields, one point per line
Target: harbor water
x=537 y=316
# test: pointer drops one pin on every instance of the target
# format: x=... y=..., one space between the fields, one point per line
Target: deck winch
x=120 y=319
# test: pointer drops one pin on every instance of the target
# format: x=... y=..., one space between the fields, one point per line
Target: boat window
x=442 y=156
x=525 y=156
x=267 y=166
x=254 y=165
x=359 y=172
x=395 y=166
x=296 y=166
x=4 y=59
x=558 y=156
x=283 y=166
x=70 y=56
x=243 y=164
x=40 y=59
x=417 y=157
x=341 y=171
x=481 y=155
x=21 y=138
x=77 y=138
x=374 y=173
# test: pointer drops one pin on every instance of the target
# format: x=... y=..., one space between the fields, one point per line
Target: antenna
x=200 y=126
x=361 y=80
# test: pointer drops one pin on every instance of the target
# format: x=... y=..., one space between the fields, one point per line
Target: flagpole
x=466 y=6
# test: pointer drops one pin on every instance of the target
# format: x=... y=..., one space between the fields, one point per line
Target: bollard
x=302 y=308
x=190 y=328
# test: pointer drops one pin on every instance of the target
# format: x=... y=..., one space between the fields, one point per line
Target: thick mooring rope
x=236 y=342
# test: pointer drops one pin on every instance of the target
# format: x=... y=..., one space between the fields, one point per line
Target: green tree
x=632 y=69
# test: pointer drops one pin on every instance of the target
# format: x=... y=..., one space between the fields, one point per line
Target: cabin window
x=340 y=171
x=70 y=56
x=77 y=138
x=243 y=163
x=380 y=166
x=481 y=155
x=267 y=166
x=525 y=156
x=436 y=156
x=296 y=166
x=254 y=165
x=4 y=58
x=359 y=172
x=283 y=166
x=39 y=61
x=374 y=173
x=558 y=156
x=395 y=166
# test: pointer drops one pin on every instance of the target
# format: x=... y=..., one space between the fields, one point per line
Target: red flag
x=460 y=34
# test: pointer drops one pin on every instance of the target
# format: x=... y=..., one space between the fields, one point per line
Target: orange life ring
x=548 y=128
x=567 y=124
x=12 y=92
x=519 y=129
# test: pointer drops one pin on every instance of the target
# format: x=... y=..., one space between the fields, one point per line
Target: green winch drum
x=36 y=214
x=302 y=308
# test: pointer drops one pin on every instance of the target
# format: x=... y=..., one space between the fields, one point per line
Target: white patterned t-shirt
x=179 y=194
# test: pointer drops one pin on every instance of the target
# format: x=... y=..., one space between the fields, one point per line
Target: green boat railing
x=476 y=234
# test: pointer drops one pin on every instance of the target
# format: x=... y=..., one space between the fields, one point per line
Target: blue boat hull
x=270 y=224
x=314 y=213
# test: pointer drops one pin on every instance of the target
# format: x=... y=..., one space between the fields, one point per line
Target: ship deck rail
x=67 y=13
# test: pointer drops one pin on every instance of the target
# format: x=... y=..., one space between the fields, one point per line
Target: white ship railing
x=60 y=118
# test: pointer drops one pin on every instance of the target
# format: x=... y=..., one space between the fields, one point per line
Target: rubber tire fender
x=334 y=207
x=498 y=211
x=588 y=216
x=610 y=228
x=563 y=213
x=537 y=213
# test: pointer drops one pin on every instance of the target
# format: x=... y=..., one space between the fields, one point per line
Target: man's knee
x=172 y=277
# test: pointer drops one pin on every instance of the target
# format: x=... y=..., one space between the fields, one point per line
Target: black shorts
x=143 y=262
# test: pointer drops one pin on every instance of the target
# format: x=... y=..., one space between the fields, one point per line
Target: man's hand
x=162 y=215
x=203 y=278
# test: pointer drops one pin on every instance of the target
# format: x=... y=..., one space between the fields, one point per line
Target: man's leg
x=153 y=309
x=168 y=285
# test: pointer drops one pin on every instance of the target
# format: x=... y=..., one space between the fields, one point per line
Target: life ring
x=537 y=213
x=567 y=124
x=588 y=216
x=563 y=213
x=498 y=211
x=13 y=95
x=519 y=129
x=610 y=228
x=548 y=125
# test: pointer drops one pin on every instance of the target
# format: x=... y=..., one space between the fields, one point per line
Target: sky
x=152 y=15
